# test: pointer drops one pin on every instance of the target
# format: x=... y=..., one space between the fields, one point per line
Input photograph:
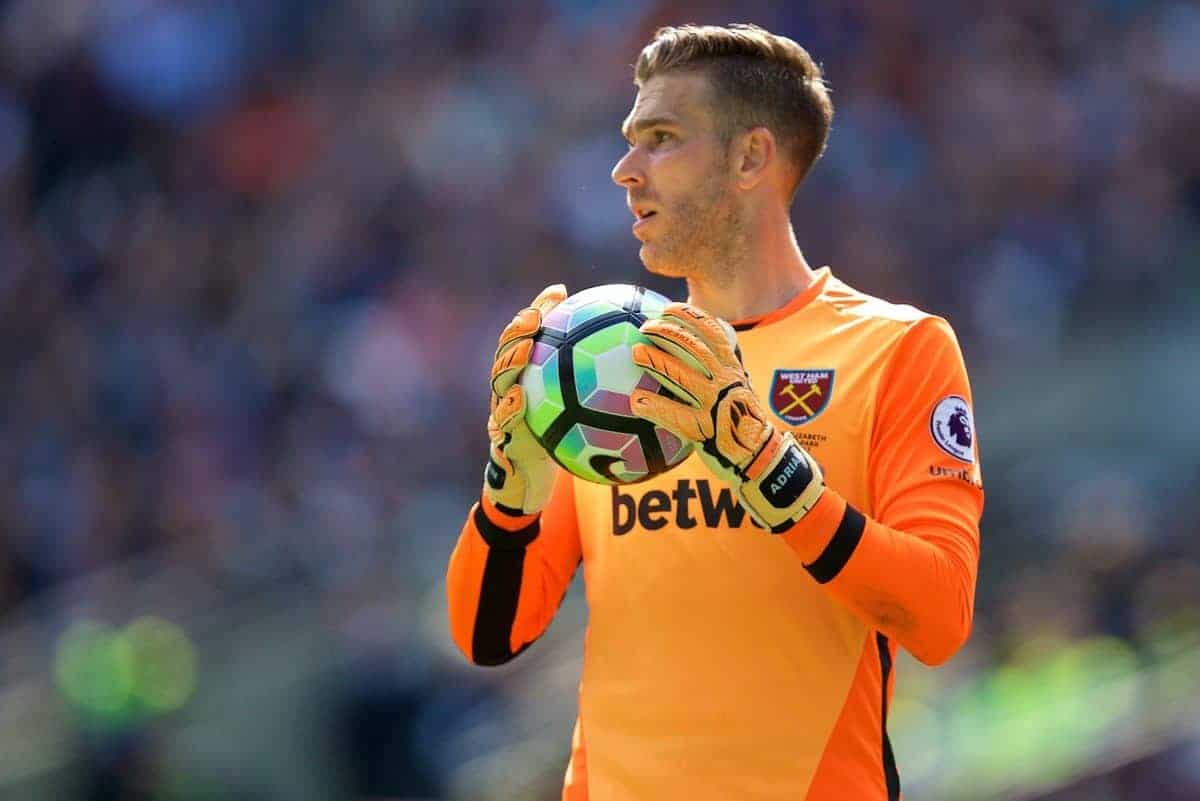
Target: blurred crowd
x=254 y=257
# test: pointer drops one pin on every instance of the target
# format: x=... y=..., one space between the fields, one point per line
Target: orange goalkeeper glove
x=695 y=356
x=519 y=474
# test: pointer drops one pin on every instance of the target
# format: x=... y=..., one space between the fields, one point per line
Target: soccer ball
x=577 y=387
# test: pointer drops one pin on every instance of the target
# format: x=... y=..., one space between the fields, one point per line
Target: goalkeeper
x=745 y=608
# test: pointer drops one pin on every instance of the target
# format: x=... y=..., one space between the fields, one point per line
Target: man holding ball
x=745 y=607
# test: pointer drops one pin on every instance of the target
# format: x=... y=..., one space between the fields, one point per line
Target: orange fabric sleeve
x=508 y=574
x=910 y=572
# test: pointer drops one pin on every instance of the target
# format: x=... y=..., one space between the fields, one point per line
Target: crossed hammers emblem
x=799 y=400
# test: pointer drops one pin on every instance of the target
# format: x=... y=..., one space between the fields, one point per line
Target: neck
x=770 y=272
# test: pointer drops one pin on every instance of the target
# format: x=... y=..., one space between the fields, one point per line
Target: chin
x=654 y=262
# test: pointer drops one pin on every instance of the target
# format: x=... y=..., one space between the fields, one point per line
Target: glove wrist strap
x=504 y=515
x=506 y=494
x=766 y=456
x=783 y=483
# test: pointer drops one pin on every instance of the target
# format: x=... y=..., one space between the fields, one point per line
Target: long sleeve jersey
x=724 y=662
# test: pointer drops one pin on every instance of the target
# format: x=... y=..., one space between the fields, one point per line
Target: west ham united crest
x=800 y=395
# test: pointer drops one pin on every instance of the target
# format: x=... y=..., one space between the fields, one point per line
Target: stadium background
x=253 y=258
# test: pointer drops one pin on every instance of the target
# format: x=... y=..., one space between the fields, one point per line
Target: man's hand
x=520 y=474
x=695 y=357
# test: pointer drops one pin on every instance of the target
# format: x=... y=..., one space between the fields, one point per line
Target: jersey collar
x=820 y=278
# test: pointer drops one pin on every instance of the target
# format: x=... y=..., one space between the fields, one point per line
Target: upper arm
x=924 y=465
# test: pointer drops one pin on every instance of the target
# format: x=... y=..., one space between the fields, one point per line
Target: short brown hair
x=758 y=77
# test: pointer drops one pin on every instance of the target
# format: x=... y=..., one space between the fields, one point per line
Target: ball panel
x=607 y=440
x=615 y=370
x=653 y=304
x=573 y=453
x=648 y=382
x=551 y=379
x=583 y=365
x=634 y=458
x=534 y=386
x=543 y=395
x=612 y=336
x=557 y=320
x=611 y=402
x=541 y=352
x=571 y=445
x=672 y=446
x=540 y=419
x=591 y=311
x=616 y=295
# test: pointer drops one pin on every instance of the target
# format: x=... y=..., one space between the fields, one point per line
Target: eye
x=662 y=136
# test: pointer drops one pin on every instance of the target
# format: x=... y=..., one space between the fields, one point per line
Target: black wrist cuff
x=840 y=547
x=503 y=539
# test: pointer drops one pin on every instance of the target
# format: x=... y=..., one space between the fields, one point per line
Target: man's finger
x=509 y=409
x=509 y=364
x=548 y=298
x=516 y=345
x=712 y=331
x=524 y=325
x=678 y=418
x=682 y=343
x=669 y=371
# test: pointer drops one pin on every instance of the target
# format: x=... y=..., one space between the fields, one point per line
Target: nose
x=628 y=172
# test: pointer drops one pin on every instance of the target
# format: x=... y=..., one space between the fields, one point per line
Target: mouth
x=643 y=216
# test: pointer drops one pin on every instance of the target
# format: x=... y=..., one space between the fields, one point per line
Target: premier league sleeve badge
x=953 y=428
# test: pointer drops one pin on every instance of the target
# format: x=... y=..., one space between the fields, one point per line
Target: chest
x=820 y=386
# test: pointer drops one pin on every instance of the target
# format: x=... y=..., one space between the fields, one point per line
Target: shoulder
x=899 y=330
x=844 y=300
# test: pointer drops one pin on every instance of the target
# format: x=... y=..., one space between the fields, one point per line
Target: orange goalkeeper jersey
x=722 y=662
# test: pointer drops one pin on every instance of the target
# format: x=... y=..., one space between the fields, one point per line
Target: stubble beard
x=706 y=238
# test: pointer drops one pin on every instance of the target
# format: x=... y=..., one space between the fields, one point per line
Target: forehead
x=682 y=97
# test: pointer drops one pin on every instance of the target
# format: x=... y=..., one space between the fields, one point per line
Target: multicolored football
x=578 y=382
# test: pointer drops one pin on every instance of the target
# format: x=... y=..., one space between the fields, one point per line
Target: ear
x=755 y=153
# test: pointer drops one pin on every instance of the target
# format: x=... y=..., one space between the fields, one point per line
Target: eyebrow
x=628 y=130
